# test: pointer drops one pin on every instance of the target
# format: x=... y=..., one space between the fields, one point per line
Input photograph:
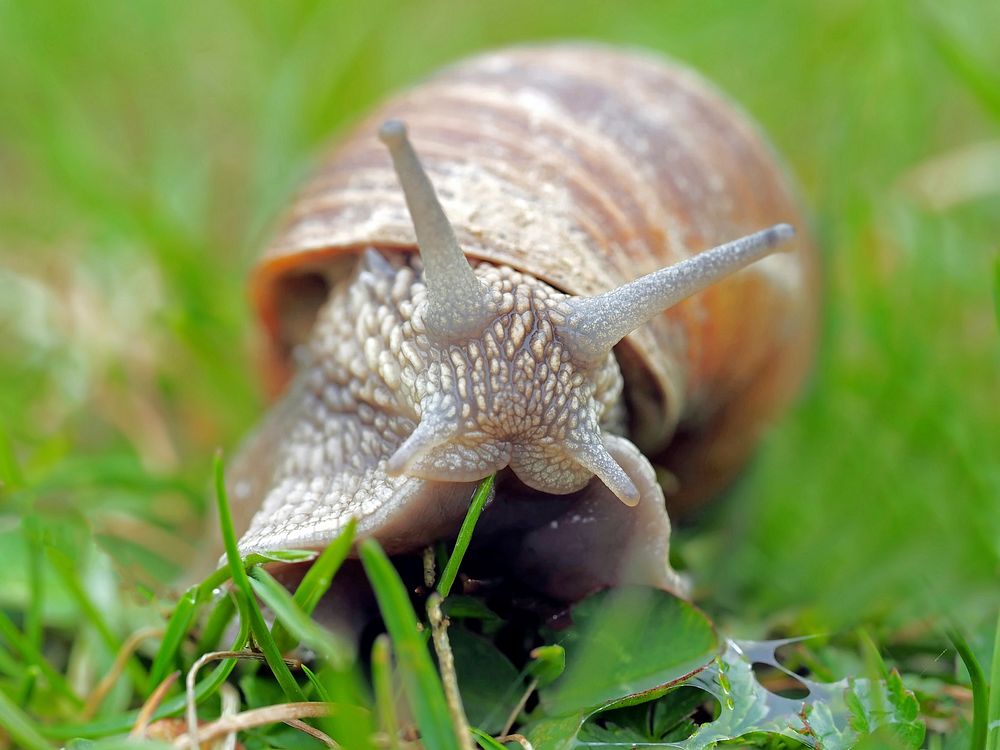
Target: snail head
x=510 y=372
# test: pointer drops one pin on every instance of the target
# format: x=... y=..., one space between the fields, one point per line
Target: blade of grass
x=385 y=700
x=356 y=730
x=216 y=624
x=36 y=590
x=301 y=627
x=66 y=569
x=483 y=492
x=28 y=682
x=993 y=714
x=207 y=587
x=177 y=628
x=8 y=665
x=259 y=629
x=10 y=470
x=420 y=682
x=977 y=75
x=123 y=722
x=316 y=581
x=320 y=575
x=317 y=685
x=977 y=740
x=33 y=656
x=996 y=290
x=485 y=741
x=21 y=729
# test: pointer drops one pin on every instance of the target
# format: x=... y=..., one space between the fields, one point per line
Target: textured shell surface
x=566 y=171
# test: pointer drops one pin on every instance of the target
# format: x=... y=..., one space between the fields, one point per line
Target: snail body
x=533 y=304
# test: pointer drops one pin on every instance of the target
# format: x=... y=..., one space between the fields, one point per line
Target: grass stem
x=977 y=740
x=479 y=499
x=261 y=633
x=993 y=712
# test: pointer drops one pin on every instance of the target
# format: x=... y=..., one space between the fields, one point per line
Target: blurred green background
x=146 y=147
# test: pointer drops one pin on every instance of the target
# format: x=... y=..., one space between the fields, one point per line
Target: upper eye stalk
x=457 y=304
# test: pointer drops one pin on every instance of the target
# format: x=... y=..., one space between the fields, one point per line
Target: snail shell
x=566 y=173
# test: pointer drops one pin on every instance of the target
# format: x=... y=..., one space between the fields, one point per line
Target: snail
x=528 y=289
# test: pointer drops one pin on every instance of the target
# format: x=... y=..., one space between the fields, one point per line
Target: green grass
x=146 y=150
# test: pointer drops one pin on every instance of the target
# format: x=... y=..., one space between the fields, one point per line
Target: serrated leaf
x=836 y=715
x=885 y=708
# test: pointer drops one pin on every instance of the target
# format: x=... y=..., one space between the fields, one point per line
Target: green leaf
x=260 y=690
x=490 y=685
x=317 y=685
x=670 y=718
x=483 y=493
x=628 y=645
x=557 y=733
x=549 y=662
x=420 y=681
x=259 y=629
x=666 y=719
x=837 y=715
x=460 y=607
x=745 y=706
